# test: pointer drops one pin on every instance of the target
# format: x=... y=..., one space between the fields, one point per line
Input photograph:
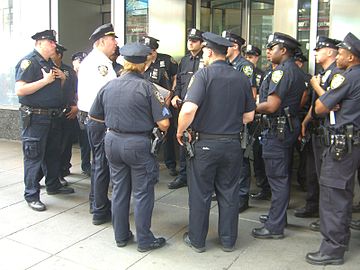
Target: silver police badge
x=103 y=70
x=162 y=63
x=277 y=75
x=337 y=80
x=248 y=71
x=25 y=64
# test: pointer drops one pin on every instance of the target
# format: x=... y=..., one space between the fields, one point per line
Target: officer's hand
x=59 y=74
x=315 y=80
x=336 y=108
x=179 y=138
x=173 y=101
x=73 y=112
x=303 y=131
x=48 y=77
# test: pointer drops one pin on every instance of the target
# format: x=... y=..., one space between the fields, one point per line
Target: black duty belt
x=144 y=133
x=206 y=136
x=54 y=112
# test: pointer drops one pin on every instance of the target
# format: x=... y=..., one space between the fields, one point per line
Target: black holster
x=25 y=113
x=339 y=147
x=280 y=127
x=157 y=141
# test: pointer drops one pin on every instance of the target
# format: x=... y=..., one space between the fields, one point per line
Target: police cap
x=233 y=38
x=47 y=34
x=217 y=42
x=102 y=31
x=135 y=52
x=299 y=56
x=281 y=38
x=195 y=34
x=252 y=50
x=78 y=56
x=151 y=42
x=325 y=42
x=60 y=49
x=351 y=43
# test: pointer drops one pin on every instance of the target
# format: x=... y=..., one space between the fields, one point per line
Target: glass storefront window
x=303 y=32
x=136 y=19
x=323 y=24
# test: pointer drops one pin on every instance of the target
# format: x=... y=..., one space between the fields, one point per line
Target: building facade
x=167 y=20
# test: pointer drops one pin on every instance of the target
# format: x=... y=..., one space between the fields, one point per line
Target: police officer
x=241 y=64
x=132 y=106
x=252 y=54
x=325 y=55
x=76 y=59
x=116 y=66
x=69 y=120
x=95 y=71
x=341 y=158
x=218 y=102
x=161 y=69
x=189 y=64
x=38 y=86
x=281 y=108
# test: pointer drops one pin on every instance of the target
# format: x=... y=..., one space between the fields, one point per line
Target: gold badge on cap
x=103 y=70
x=248 y=71
x=25 y=64
x=158 y=96
x=337 y=80
x=276 y=76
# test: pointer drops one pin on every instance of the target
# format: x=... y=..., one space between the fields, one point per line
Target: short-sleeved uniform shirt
x=70 y=85
x=288 y=82
x=162 y=70
x=246 y=67
x=189 y=64
x=264 y=86
x=130 y=104
x=29 y=70
x=94 y=72
x=345 y=90
x=223 y=96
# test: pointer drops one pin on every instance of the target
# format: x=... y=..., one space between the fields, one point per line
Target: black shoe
x=37 y=206
x=244 y=206
x=157 y=243
x=62 y=190
x=315 y=226
x=355 y=224
x=261 y=195
x=63 y=181
x=228 y=249
x=263 y=218
x=264 y=233
x=306 y=213
x=102 y=220
x=178 y=182
x=173 y=172
x=187 y=242
x=321 y=259
x=126 y=241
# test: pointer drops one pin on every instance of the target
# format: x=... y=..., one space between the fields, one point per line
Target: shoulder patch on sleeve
x=103 y=70
x=248 y=70
x=158 y=95
x=25 y=64
x=276 y=76
x=337 y=80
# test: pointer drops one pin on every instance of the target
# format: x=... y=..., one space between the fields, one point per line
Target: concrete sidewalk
x=63 y=237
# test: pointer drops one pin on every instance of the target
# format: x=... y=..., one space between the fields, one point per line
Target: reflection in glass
x=137 y=19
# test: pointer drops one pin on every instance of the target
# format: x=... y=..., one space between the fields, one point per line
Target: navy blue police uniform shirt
x=188 y=65
x=130 y=104
x=345 y=91
x=162 y=71
x=70 y=85
x=287 y=81
x=246 y=67
x=264 y=86
x=29 y=70
x=220 y=84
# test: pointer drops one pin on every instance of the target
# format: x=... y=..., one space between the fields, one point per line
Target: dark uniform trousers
x=277 y=155
x=85 y=149
x=41 y=149
x=216 y=165
x=244 y=181
x=133 y=168
x=336 y=196
x=169 y=144
x=100 y=175
x=69 y=127
x=259 y=166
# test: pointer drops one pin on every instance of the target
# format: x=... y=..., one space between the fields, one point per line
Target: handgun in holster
x=25 y=116
x=188 y=145
x=280 y=127
x=244 y=136
x=339 y=147
x=288 y=118
x=305 y=140
x=266 y=121
x=324 y=135
x=157 y=140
